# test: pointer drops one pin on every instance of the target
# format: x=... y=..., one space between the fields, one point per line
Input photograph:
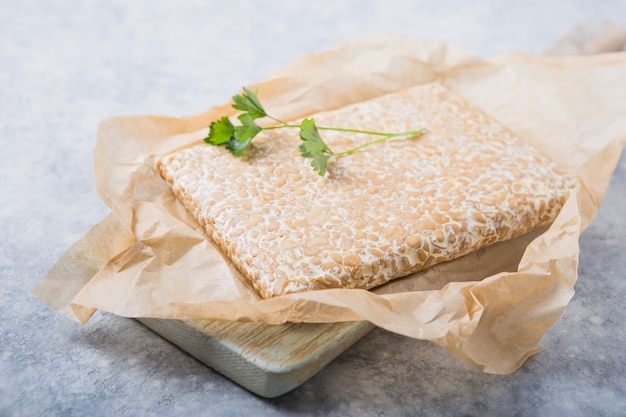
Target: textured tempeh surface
x=379 y=214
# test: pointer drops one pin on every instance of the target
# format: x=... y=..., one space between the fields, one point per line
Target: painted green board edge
x=269 y=360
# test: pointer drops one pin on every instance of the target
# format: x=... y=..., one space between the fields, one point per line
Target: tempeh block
x=382 y=213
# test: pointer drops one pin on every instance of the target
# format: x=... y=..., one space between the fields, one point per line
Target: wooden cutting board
x=265 y=359
x=272 y=360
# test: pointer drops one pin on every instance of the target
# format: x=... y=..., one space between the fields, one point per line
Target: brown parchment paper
x=149 y=258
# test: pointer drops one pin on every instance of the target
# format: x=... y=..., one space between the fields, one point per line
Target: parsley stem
x=281 y=125
x=385 y=136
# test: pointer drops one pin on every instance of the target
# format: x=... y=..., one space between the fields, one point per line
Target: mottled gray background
x=64 y=65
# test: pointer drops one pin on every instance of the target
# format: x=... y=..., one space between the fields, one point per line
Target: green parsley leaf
x=249 y=102
x=243 y=134
x=220 y=132
x=313 y=146
x=248 y=128
x=237 y=147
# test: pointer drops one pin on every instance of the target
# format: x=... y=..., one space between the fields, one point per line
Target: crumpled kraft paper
x=149 y=258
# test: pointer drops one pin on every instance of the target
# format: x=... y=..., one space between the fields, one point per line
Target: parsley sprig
x=238 y=138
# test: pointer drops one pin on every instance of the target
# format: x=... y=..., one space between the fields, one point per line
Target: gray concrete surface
x=64 y=65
